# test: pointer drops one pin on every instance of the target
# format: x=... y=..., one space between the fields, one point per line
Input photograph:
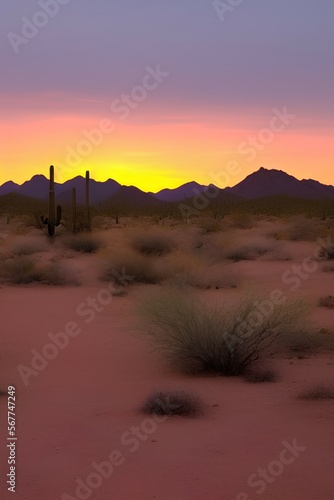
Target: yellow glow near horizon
x=153 y=156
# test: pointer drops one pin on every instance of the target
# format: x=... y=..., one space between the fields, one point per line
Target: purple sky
x=265 y=54
x=264 y=49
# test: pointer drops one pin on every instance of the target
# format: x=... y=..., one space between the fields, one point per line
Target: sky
x=156 y=93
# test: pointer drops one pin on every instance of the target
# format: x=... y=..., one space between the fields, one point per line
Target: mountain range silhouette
x=262 y=183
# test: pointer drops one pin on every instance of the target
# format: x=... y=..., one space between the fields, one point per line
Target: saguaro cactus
x=87 y=202
x=54 y=217
x=74 y=210
x=58 y=218
x=52 y=204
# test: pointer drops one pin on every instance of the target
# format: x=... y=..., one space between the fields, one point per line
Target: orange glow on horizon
x=153 y=154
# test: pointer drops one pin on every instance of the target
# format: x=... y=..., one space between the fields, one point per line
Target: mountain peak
x=265 y=182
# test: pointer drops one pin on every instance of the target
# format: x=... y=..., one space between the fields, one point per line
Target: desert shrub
x=154 y=243
x=103 y=222
x=24 y=270
x=206 y=277
x=22 y=223
x=85 y=243
x=278 y=255
x=246 y=252
x=52 y=274
x=328 y=269
x=302 y=340
x=327 y=302
x=239 y=253
x=28 y=246
x=302 y=229
x=188 y=270
x=319 y=392
x=242 y=221
x=325 y=339
x=180 y=261
x=209 y=225
x=172 y=403
x=326 y=252
x=119 y=292
x=198 y=338
x=19 y=270
x=257 y=375
x=306 y=340
x=133 y=268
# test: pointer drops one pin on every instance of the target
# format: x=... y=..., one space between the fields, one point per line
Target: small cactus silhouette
x=54 y=217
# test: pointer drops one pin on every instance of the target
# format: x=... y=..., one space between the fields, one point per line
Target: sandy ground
x=83 y=407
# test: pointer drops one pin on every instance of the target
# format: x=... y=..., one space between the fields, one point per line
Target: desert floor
x=83 y=407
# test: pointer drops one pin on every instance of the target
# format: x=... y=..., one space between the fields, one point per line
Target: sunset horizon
x=217 y=176
x=167 y=249
x=187 y=90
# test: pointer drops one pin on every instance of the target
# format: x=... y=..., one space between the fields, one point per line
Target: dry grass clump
x=207 y=278
x=242 y=221
x=53 y=275
x=24 y=270
x=224 y=340
x=85 y=243
x=28 y=246
x=328 y=269
x=239 y=253
x=185 y=269
x=155 y=243
x=177 y=403
x=317 y=393
x=22 y=224
x=103 y=222
x=307 y=340
x=303 y=339
x=327 y=302
x=252 y=248
x=127 y=266
x=19 y=270
x=302 y=229
x=327 y=252
x=258 y=375
x=325 y=339
x=209 y=225
x=247 y=252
